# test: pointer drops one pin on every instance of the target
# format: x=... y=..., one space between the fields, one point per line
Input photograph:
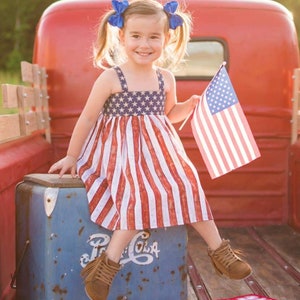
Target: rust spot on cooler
x=80 y=230
x=58 y=290
x=71 y=195
x=128 y=276
x=41 y=287
x=156 y=269
x=183 y=272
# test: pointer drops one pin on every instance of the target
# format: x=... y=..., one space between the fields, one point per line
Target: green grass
x=11 y=78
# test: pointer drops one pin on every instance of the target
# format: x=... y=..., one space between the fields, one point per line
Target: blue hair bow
x=120 y=6
x=117 y=19
x=174 y=19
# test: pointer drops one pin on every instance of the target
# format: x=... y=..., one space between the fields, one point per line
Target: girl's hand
x=65 y=164
x=182 y=110
x=192 y=102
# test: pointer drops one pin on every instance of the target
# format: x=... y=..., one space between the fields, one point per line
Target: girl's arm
x=101 y=90
x=177 y=111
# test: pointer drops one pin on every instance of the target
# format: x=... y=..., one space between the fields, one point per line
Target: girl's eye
x=154 y=37
x=135 y=36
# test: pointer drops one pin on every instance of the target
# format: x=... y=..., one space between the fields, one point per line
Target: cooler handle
x=14 y=276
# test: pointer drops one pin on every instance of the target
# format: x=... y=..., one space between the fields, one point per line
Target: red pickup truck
x=258 y=41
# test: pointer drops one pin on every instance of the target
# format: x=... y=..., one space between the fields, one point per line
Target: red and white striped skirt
x=138 y=176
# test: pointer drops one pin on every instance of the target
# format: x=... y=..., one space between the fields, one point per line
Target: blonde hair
x=108 y=51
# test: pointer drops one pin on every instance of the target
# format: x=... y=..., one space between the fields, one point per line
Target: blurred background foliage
x=17 y=29
x=18 y=20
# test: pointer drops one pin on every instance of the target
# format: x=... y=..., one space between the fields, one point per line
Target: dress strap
x=160 y=80
x=121 y=78
x=124 y=85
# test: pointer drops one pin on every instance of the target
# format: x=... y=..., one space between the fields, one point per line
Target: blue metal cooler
x=55 y=239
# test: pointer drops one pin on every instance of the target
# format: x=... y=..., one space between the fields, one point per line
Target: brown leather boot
x=226 y=262
x=98 y=276
x=88 y=268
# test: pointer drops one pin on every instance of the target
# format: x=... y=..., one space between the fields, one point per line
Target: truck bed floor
x=272 y=251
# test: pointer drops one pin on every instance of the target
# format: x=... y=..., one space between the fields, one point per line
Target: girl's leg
x=119 y=240
x=224 y=259
x=99 y=274
x=209 y=232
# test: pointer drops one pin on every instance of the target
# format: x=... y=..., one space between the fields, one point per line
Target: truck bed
x=272 y=251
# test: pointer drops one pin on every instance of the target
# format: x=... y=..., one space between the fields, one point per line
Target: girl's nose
x=144 y=42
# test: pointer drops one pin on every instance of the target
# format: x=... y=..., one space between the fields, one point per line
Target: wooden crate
x=31 y=103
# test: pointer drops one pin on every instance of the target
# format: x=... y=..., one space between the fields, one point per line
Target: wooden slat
x=9 y=127
x=27 y=95
x=31 y=124
x=9 y=96
x=283 y=263
x=39 y=108
x=32 y=73
x=26 y=71
x=27 y=106
x=296 y=107
x=36 y=72
x=45 y=108
x=196 y=281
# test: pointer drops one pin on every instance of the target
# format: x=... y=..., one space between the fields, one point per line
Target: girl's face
x=144 y=38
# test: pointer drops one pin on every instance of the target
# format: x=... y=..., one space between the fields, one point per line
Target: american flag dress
x=134 y=167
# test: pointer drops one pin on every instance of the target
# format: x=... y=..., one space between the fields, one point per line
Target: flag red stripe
x=224 y=139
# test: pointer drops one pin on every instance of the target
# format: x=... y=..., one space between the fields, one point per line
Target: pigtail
x=107 y=45
x=177 y=46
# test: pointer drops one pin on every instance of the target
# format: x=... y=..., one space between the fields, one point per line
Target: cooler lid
x=53 y=180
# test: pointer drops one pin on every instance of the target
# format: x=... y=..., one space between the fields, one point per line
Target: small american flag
x=220 y=128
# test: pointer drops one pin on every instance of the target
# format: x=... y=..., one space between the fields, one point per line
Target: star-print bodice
x=135 y=103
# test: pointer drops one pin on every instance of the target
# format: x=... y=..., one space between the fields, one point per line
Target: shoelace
x=226 y=256
x=106 y=273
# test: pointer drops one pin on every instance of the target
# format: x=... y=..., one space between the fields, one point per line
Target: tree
x=17 y=30
x=7 y=25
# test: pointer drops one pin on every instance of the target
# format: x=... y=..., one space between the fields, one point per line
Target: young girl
x=136 y=172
